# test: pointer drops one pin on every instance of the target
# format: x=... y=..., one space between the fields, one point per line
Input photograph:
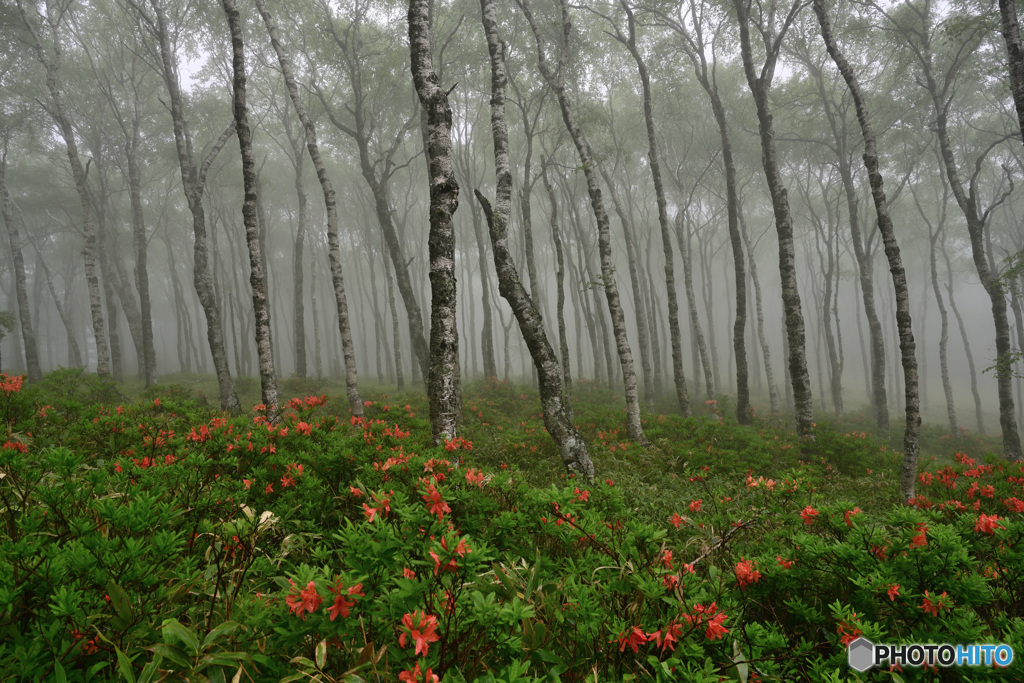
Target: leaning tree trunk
x=443 y=379
x=28 y=336
x=555 y=80
x=759 y=87
x=908 y=356
x=557 y=420
x=355 y=402
x=257 y=278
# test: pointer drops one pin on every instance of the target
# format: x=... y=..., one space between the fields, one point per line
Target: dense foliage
x=158 y=540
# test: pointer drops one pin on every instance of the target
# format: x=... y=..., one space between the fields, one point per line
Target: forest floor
x=147 y=536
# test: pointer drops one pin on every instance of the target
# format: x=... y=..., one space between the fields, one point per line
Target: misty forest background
x=746 y=263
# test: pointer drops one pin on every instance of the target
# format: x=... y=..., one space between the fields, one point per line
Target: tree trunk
x=769 y=372
x=487 y=333
x=556 y=237
x=759 y=87
x=443 y=378
x=355 y=402
x=35 y=373
x=557 y=420
x=683 y=237
x=638 y=302
x=298 y=280
x=395 y=331
x=140 y=245
x=318 y=362
x=1015 y=55
x=908 y=356
x=257 y=265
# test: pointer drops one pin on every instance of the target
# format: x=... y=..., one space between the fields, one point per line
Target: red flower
x=695 y=505
x=341 y=603
x=850 y=514
x=676 y=520
x=1015 y=504
x=987 y=524
x=414 y=675
x=422 y=628
x=435 y=505
x=634 y=637
x=666 y=638
x=928 y=606
x=808 y=515
x=581 y=496
x=921 y=539
x=308 y=600
x=785 y=564
x=715 y=628
x=746 y=574
x=848 y=632
x=670 y=581
x=666 y=559
x=893 y=591
x=475 y=476
x=354 y=491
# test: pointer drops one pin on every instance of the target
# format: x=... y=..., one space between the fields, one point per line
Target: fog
x=353 y=68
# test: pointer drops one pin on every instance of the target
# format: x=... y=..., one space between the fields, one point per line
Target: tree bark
x=759 y=87
x=558 y=421
x=443 y=378
x=257 y=277
x=1015 y=55
x=355 y=402
x=555 y=80
x=908 y=355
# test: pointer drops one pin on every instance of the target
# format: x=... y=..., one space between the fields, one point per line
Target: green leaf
x=217 y=676
x=173 y=653
x=218 y=632
x=124 y=665
x=174 y=628
x=58 y=672
x=122 y=606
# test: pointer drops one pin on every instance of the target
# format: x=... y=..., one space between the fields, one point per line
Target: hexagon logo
x=861 y=654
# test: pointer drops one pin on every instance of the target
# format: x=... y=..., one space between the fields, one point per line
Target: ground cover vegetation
x=153 y=538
